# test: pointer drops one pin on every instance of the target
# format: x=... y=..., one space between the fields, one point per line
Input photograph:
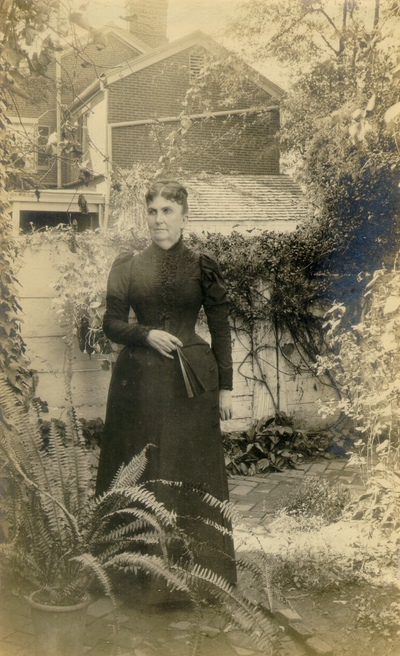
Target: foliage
x=364 y=359
x=379 y=503
x=83 y=281
x=61 y=537
x=278 y=288
x=384 y=621
x=340 y=121
x=270 y=444
x=12 y=360
x=30 y=34
x=308 y=553
x=316 y=497
x=92 y=431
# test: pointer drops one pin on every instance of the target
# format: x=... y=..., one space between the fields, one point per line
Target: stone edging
x=299 y=639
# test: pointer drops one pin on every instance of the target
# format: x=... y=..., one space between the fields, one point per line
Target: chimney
x=148 y=21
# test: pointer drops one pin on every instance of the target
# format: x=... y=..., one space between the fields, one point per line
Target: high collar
x=174 y=249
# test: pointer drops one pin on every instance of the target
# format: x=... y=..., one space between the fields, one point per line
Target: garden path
x=146 y=632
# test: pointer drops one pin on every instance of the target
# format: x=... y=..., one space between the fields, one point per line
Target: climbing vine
x=274 y=283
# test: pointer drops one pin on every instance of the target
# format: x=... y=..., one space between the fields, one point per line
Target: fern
x=226 y=508
x=62 y=537
x=130 y=474
x=175 y=578
x=91 y=563
x=239 y=610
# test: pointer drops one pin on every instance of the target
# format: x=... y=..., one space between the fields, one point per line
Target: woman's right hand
x=163 y=342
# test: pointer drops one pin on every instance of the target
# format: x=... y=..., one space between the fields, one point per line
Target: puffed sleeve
x=216 y=307
x=115 y=321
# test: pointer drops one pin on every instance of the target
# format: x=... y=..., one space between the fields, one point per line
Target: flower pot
x=59 y=630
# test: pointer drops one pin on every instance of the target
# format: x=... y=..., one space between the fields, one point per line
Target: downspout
x=108 y=164
x=58 y=119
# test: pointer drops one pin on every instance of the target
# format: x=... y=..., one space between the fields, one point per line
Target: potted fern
x=61 y=536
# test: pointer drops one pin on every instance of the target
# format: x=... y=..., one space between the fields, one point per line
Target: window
x=196 y=63
x=30 y=219
x=81 y=136
x=43 y=133
x=24 y=136
x=31 y=140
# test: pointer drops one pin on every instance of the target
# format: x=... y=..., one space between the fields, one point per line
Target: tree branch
x=376 y=14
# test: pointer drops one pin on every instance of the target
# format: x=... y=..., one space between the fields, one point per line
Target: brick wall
x=221 y=145
x=148 y=21
x=239 y=144
x=80 y=69
x=159 y=90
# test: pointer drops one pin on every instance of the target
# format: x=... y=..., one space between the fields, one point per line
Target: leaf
x=389 y=342
x=284 y=430
x=251 y=432
x=391 y=114
x=382 y=447
x=383 y=482
x=371 y=103
x=287 y=349
x=396 y=72
x=264 y=422
x=391 y=305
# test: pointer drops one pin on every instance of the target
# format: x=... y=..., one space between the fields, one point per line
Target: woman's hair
x=169 y=189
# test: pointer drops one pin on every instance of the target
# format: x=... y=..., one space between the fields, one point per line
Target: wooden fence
x=45 y=337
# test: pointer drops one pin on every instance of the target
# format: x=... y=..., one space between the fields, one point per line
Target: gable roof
x=197 y=38
x=122 y=35
x=125 y=37
x=273 y=202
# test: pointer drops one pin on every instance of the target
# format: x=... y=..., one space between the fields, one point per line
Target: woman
x=169 y=388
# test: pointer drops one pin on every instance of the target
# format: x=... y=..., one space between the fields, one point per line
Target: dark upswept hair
x=169 y=189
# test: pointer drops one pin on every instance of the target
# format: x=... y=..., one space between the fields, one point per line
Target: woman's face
x=165 y=219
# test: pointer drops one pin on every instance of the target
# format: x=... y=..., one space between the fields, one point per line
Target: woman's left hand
x=225 y=404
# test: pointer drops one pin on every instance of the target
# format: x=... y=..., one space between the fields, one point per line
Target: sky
x=184 y=17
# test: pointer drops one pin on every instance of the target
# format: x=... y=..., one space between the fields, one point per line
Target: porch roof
x=54 y=200
x=245 y=202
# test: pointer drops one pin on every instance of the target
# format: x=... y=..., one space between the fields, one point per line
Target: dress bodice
x=166 y=289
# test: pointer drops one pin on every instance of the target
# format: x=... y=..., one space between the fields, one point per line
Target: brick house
x=125 y=93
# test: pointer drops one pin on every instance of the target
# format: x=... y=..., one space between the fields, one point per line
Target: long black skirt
x=148 y=404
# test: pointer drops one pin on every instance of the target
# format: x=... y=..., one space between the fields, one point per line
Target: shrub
x=316 y=497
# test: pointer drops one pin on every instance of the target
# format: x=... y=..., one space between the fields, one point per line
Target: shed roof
x=274 y=202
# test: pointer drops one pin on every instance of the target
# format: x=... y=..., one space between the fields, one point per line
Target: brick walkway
x=256 y=497
x=146 y=632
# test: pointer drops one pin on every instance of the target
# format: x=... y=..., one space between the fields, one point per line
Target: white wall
x=45 y=339
x=44 y=336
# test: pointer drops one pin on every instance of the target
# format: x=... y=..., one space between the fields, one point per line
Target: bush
x=316 y=497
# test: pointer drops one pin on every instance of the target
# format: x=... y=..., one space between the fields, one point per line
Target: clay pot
x=59 y=630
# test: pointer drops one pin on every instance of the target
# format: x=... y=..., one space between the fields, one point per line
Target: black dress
x=148 y=401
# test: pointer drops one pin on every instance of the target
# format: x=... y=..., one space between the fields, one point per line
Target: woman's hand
x=163 y=342
x=225 y=404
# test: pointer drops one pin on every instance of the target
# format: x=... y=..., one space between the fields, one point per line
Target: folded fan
x=194 y=385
